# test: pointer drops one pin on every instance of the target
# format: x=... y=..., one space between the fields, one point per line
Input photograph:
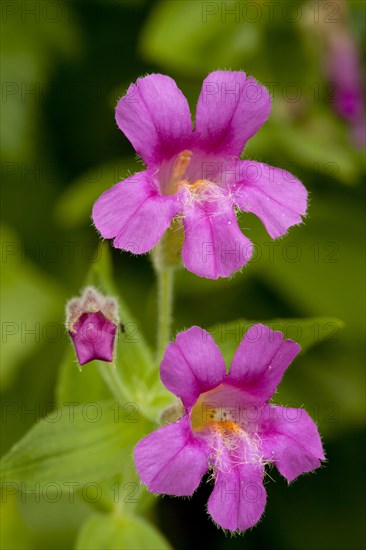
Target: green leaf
x=324 y=253
x=75 y=444
x=306 y=332
x=14 y=533
x=321 y=144
x=40 y=519
x=198 y=42
x=80 y=386
x=114 y=533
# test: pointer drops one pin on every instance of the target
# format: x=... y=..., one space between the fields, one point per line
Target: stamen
x=179 y=169
x=200 y=190
x=195 y=185
x=227 y=426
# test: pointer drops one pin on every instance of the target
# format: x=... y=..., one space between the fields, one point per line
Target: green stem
x=119 y=504
x=165 y=307
x=110 y=375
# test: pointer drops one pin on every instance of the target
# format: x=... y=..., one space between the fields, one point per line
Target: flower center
x=228 y=419
x=225 y=409
x=185 y=172
x=207 y=412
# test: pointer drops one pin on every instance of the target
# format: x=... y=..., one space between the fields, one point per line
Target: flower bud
x=92 y=321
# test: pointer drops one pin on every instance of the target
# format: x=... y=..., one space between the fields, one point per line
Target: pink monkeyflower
x=344 y=70
x=228 y=426
x=92 y=321
x=195 y=175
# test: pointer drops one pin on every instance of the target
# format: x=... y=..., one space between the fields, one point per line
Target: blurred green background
x=64 y=65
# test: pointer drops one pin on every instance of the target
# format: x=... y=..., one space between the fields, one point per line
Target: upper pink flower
x=228 y=426
x=344 y=70
x=196 y=173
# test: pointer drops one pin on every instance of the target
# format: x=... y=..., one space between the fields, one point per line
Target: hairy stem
x=165 y=307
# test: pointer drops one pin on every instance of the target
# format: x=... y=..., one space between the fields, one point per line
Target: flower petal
x=171 y=460
x=238 y=499
x=290 y=439
x=230 y=110
x=93 y=336
x=274 y=195
x=193 y=364
x=213 y=245
x=155 y=117
x=261 y=360
x=135 y=213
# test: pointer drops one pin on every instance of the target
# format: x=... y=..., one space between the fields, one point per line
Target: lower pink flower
x=228 y=426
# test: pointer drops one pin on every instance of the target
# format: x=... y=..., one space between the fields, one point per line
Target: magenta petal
x=155 y=116
x=213 y=245
x=261 y=360
x=238 y=499
x=230 y=110
x=274 y=195
x=114 y=208
x=171 y=460
x=93 y=336
x=290 y=439
x=193 y=364
x=134 y=213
